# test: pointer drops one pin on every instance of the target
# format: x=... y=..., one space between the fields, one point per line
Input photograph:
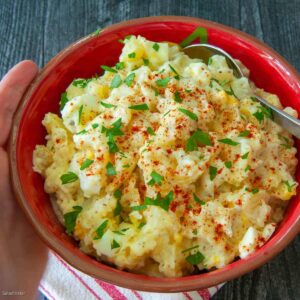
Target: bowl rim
x=111 y=274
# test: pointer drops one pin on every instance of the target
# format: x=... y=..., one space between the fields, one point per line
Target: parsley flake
x=138 y=207
x=80 y=114
x=63 y=100
x=195 y=259
x=108 y=69
x=150 y=131
x=255 y=191
x=198 y=200
x=146 y=61
x=142 y=224
x=228 y=164
x=245 y=156
x=164 y=203
x=188 y=113
x=107 y=105
x=156 y=178
x=212 y=172
x=263 y=112
x=289 y=186
x=81 y=83
x=155 y=47
x=143 y=106
x=118 y=208
x=95 y=125
x=129 y=79
x=86 y=164
x=96 y=32
x=71 y=217
x=189 y=249
x=163 y=82
x=116 y=82
x=244 y=133
x=177 y=76
x=68 y=178
x=112 y=132
x=199 y=32
x=228 y=142
x=131 y=55
x=177 y=97
x=110 y=169
x=247 y=169
x=120 y=65
x=198 y=136
x=100 y=230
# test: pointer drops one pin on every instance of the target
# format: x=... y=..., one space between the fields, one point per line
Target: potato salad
x=165 y=165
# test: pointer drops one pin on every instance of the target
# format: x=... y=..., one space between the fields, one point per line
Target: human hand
x=23 y=256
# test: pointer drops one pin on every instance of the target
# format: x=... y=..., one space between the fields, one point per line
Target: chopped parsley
x=287 y=143
x=146 y=61
x=129 y=79
x=126 y=166
x=247 y=169
x=156 y=93
x=195 y=259
x=263 y=112
x=143 y=106
x=255 y=191
x=164 y=203
x=116 y=82
x=228 y=142
x=110 y=170
x=139 y=207
x=81 y=132
x=155 y=178
x=289 y=186
x=155 y=47
x=212 y=172
x=118 y=232
x=230 y=92
x=68 y=178
x=189 y=249
x=120 y=65
x=100 y=230
x=71 y=217
x=177 y=97
x=188 y=113
x=150 y=131
x=163 y=82
x=131 y=55
x=245 y=156
x=198 y=200
x=80 y=113
x=95 y=125
x=199 y=32
x=166 y=113
x=107 y=105
x=177 y=76
x=142 y=224
x=209 y=62
x=127 y=37
x=63 y=100
x=228 y=164
x=198 y=136
x=86 y=164
x=118 y=208
x=108 y=69
x=96 y=32
x=244 y=133
x=81 y=83
x=112 y=132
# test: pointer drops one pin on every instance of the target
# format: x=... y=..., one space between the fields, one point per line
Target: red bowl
x=82 y=59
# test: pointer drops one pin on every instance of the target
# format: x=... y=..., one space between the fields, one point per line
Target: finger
x=12 y=88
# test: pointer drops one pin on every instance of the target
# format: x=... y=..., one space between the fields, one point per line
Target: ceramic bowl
x=82 y=59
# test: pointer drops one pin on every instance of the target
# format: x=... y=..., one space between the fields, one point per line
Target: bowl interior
x=83 y=60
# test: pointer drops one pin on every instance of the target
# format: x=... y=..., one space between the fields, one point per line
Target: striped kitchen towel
x=62 y=282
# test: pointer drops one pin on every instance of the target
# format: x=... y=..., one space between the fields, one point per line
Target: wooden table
x=39 y=29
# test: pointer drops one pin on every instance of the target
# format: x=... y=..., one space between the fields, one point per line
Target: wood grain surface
x=39 y=29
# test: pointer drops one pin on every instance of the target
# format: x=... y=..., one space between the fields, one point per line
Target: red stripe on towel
x=78 y=277
x=111 y=290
